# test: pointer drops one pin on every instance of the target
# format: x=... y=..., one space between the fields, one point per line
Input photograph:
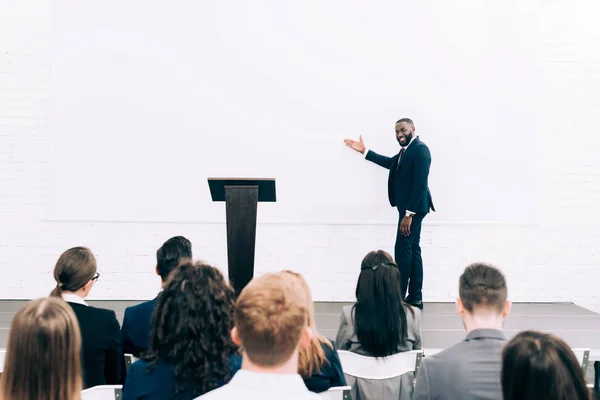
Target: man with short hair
x=471 y=369
x=137 y=321
x=408 y=191
x=271 y=325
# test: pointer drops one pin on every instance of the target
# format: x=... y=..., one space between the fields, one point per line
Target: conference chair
x=104 y=392
x=381 y=378
x=337 y=393
x=583 y=355
x=129 y=359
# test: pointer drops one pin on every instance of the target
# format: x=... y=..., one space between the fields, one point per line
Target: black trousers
x=407 y=253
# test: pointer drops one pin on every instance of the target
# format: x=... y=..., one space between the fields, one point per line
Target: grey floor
x=441 y=326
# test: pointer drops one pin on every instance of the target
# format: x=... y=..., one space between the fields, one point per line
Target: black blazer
x=135 y=332
x=102 y=356
x=408 y=181
x=330 y=375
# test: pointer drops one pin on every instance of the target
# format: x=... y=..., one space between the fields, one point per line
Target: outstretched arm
x=385 y=162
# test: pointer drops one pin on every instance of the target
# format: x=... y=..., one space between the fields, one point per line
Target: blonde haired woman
x=43 y=359
x=318 y=364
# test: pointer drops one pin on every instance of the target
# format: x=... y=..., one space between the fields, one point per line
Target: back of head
x=482 y=287
x=43 y=353
x=191 y=327
x=379 y=312
x=270 y=315
x=73 y=270
x=539 y=366
x=171 y=254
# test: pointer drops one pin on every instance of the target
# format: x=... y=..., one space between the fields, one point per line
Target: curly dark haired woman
x=190 y=350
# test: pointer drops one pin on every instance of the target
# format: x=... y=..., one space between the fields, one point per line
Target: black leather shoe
x=415 y=303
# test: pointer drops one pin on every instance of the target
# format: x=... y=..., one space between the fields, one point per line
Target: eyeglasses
x=95 y=278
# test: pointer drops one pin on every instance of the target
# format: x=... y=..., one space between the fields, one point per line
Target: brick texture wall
x=555 y=259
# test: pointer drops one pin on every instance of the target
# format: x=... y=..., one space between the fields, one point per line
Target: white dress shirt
x=408 y=213
x=261 y=386
x=73 y=298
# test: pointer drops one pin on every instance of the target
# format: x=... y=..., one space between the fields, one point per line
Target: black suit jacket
x=331 y=373
x=135 y=332
x=102 y=356
x=408 y=181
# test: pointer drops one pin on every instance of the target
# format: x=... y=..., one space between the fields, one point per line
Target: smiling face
x=404 y=133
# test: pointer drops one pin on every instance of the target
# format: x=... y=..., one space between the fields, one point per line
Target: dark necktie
x=400 y=156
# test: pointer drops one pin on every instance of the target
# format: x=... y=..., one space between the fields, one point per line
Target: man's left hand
x=405 y=225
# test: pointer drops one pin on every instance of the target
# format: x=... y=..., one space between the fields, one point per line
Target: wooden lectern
x=241 y=196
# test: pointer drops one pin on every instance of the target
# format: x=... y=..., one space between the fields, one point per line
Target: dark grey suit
x=469 y=370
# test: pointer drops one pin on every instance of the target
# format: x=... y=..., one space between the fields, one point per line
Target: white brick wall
x=553 y=260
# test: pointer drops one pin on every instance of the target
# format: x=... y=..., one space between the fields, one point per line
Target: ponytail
x=57 y=291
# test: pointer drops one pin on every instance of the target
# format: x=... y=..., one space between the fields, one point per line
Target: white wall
x=550 y=257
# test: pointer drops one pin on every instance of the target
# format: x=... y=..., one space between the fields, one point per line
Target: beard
x=407 y=140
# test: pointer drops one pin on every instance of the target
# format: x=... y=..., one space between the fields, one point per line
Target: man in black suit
x=135 y=332
x=408 y=191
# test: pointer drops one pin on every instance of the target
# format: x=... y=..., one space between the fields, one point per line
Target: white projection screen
x=150 y=98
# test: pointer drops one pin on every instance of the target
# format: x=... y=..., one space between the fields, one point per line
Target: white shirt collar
x=263 y=384
x=73 y=298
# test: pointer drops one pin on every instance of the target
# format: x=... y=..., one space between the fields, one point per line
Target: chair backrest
x=337 y=393
x=104 y=392
x=130 y=359
x=2 y=355
x=583 y=355
x=365 y=367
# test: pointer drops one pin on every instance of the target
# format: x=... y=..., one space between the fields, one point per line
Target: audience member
x=471 y=368
x=43 y=355
x=380 y=323
x=540 y=366
x=271 y=325
x=137 y=320
x=190 y=350
x=319 y=364
x=75 y=275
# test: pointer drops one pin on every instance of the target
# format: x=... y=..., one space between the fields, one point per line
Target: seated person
x=319 y=364
x=540 y=366
x=137 y=320
x=191 y=351
x=380 y=324
x=75 y=274
x=271 y=325
x=43 y=355
x=471 y=369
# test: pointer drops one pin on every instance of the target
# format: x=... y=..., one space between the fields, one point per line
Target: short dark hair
x=170 y=255
x=482 y=286
x=540 y=366
x=191 y=327
x=407 y=120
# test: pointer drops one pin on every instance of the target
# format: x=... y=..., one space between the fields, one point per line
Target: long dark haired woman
x=379 y=324
x=190 y=350
x=540 y=366
x=43 y=356
x=75 y=274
